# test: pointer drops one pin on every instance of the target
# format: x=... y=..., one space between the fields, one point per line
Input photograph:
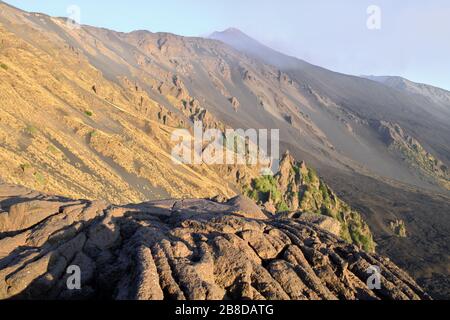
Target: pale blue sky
x=414 y=40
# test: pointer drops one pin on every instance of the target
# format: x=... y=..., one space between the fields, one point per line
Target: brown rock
x=188 y=249
x=235 y=103
x=246 y=207
x=24 y=215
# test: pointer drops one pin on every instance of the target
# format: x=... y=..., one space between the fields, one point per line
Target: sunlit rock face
x=179 y=249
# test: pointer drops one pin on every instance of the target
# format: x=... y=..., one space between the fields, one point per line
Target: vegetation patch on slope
x=412 y=152
x=299 y=188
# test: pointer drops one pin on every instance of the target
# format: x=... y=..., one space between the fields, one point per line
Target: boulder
x=246 y=207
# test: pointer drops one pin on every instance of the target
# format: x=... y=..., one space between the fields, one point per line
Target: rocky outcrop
x=398 y=227
x=234 y=103
x=186 y=249
x=411 y=151
x=326 y=223
x=297 y=190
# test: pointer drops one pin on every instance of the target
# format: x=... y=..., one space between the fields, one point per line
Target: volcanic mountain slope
x=67 y=129
x=400 y=136
x=186 y=249
x=412 y=152
x=174 y=80
x=88 y=113
x=407 y=146
x=345 y=106
x=102 y=138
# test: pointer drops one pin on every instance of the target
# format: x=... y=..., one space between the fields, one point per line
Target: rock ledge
x=187 y=249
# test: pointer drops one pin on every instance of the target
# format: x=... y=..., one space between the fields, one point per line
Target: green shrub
x=326 y=211
x=306 y=179
x=52 y=149
x=282 y=207
x=345 y=234
x=31 y=130
x=88 y=113
x=39 y=178
x=341 y=217
x=359 y=238
x=312 y=175
x=4 y=66
x=252 y=194
x=93 y=134
x=303 y=197
x=325 y=194
x=296 y=170
x=267 y=187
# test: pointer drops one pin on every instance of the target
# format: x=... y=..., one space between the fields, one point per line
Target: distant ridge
x=242 y=42
x=435 y=94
